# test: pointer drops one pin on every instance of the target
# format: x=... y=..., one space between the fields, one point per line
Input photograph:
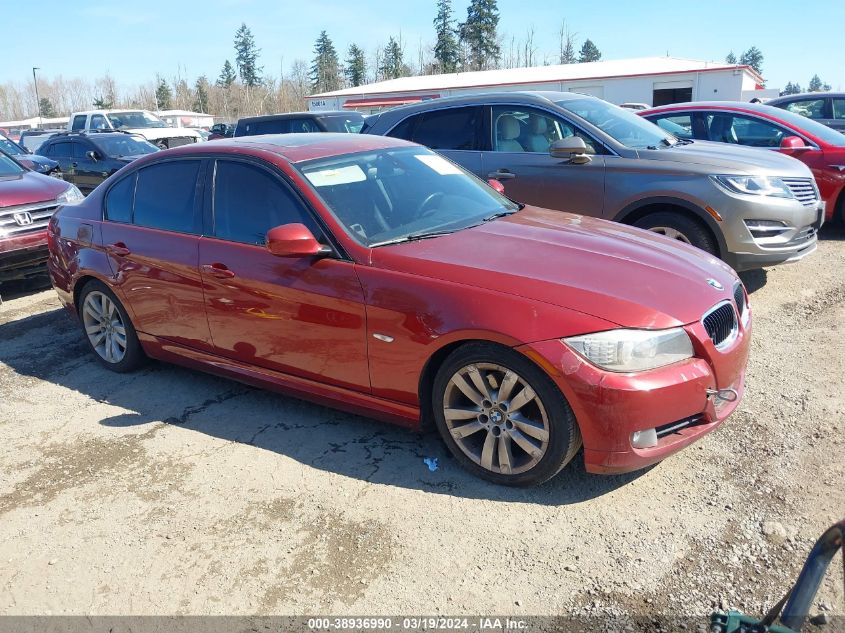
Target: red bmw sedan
x=821 y=148
x=373 y=275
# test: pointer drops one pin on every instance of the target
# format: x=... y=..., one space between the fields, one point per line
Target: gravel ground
x=173 y=492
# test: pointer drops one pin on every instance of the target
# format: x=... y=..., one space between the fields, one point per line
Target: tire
x=681 y=228
x=485 y=439
x=104 y=321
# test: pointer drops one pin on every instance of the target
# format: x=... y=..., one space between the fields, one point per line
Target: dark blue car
x=41 y=164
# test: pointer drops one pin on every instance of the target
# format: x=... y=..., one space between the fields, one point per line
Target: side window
x=839 y=108
x=119 y=200
x=79 y=122
x=742 y=130
x=530 y=130
x=80 y=149
x=249 y=201
x=98 y=122
x=267 y=127
x=453 y=128
x=810 y=108
x=405 y=128
x=165 y=196
x=60 y=150
x=679 y=125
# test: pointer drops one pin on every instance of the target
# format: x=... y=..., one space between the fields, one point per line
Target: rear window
x=119 y=200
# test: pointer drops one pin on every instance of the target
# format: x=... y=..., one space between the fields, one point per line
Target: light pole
x=37 y=100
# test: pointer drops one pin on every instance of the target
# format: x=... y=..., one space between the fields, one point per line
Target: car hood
x=43 y=161
x=618 y=273
x=153 y=133
x=723 y=158
x=29 y=188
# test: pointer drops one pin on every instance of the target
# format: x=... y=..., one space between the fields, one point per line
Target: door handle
x=218 y=270
x=119 y=249
x=501 y=174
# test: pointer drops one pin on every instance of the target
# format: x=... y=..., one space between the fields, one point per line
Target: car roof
x=536 y=97
x=808 y=95
x=294 y=148
x=709 y=105
x=294 y=115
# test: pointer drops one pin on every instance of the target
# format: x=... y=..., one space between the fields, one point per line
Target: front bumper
x=610 y=407
x=23 y=256
x=748 y=249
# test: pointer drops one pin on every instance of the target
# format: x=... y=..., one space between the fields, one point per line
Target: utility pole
x=37 y=99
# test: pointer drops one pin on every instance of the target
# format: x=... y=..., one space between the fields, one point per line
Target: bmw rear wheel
x=108 y=329
x=502 y=417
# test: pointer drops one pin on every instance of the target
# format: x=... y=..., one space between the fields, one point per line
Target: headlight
x=754 y=185
x=70 y=195
x=633 y=350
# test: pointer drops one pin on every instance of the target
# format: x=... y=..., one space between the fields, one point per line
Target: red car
x=821 y=148
x=27 y=200
x=373 y=275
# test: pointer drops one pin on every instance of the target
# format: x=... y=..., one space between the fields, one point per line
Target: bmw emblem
x=715 y=284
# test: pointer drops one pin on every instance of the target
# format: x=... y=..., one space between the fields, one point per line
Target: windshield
x=9 y=167
x=123 y=145
x=819 y=130
x=622 y=125
x=394 y=195
x=139 y=118
x=351 y=123
x=11 y=148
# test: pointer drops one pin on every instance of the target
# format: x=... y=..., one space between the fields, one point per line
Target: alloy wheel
x=671 y=233
x=496 y=418
x=104 y=326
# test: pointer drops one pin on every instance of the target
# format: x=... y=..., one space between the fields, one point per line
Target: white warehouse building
x=650 y=80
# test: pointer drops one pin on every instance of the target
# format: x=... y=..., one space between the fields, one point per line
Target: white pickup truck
x=139 y=122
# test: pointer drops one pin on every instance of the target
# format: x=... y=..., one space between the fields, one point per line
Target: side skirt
x=319 y=393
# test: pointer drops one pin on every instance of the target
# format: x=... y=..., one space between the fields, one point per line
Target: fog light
x=644 y=439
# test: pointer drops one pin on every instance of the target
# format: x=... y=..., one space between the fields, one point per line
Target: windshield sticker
x=438 y=164
x=336 y=176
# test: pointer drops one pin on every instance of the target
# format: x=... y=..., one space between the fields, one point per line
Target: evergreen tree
x=201 y=94
x=356 y=66
x=752 y=57
x=589 y=53
x=816 y=85
x=791 y=89
x=227 y=75
x=103 y=103
x=446 y=47
x=325 y=69
x=45 y=108
x=567 y=45
x=392 y=65
x=479 y=34
x=246 y=57
x=731 y=58
x=164 y=96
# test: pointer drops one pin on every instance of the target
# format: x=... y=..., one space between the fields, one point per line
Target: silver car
x=580 y=154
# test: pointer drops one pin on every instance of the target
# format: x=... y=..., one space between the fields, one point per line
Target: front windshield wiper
x=413 y=237
x=501 y=214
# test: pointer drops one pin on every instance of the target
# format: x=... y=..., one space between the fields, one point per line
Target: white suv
x=140 y=122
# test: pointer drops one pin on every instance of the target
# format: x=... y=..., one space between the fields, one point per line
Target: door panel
x=157 y=273
x=88 y=173
x=520 y=139
x=302 y=316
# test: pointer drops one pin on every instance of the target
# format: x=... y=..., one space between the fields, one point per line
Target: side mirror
x=793 y=143
x=294 y=240
x=92 y=155
x=572 y=148
x=497 y=185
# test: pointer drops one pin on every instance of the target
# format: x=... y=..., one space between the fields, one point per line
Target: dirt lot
x=169 y=491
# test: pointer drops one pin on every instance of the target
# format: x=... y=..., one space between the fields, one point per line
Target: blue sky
x=136 y=40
